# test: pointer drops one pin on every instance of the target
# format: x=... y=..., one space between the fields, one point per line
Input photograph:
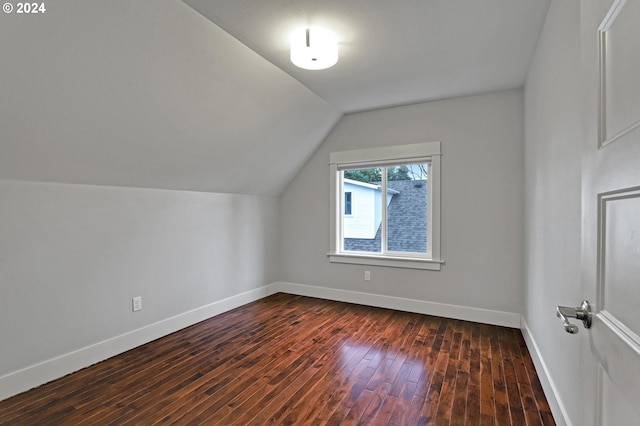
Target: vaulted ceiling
x=155 y=93
x=394 y=52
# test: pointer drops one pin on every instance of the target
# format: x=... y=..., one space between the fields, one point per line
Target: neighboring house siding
x=364 y=220
x=406 y=232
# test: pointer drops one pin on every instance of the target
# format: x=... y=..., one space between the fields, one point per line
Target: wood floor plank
x=274 y=377
x=445 y=404
x=322 y=387
x=293 y=360
x=380 y=409
x=487 y=395
x=223 y=368
x=499 y=387
x=507 y=350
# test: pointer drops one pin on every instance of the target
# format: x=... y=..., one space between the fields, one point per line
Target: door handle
x=582 y=312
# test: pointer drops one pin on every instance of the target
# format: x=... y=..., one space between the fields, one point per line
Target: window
x=347 y=203
x=385 y=206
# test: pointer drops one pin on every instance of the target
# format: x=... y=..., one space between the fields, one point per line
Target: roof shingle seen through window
x=407 y=223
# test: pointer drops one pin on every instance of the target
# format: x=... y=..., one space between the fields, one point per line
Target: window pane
x=407 y=210
x=347 y=203
x=361 y=228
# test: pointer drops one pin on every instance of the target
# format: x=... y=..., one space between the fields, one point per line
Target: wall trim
x=486 y=316
x=558 y=409
x=38 y=374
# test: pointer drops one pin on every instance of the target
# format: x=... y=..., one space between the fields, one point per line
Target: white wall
x=482 y=203
x=148 y=94
x=553 y=152
x=73 y=256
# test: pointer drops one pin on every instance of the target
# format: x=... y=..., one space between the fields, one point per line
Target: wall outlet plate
x=137 y=303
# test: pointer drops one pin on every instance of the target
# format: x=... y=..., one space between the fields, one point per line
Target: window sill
x=393 y=262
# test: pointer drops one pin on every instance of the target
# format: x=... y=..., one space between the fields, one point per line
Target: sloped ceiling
x=394 y=52
x=148 y=93
x=155 y=93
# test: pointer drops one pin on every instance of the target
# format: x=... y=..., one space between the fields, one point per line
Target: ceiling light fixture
x=314 y=48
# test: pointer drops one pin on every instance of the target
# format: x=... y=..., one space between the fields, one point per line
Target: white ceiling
x=148 y=93
x=394 y=52
x=151 y=93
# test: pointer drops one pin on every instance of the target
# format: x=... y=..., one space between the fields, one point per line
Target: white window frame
x=380 y=157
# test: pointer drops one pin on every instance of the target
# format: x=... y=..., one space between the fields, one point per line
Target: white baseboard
x=550 y=391
x=46 y=371
x=506 y=319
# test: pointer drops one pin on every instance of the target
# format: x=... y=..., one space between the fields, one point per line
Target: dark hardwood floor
x=294 y=360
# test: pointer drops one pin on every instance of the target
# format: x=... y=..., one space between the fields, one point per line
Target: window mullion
x=383 y=222
x=340 y=201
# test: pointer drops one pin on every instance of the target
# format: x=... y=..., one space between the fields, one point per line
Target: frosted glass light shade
x=314 y=48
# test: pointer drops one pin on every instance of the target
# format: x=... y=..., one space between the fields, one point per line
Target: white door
x=611 y=212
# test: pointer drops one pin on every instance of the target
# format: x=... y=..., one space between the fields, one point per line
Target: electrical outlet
x=367 y=275
x=137 y=303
